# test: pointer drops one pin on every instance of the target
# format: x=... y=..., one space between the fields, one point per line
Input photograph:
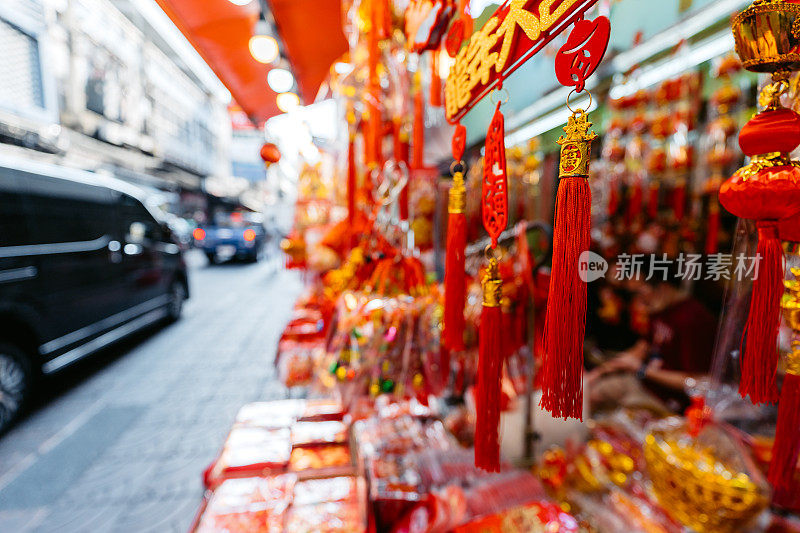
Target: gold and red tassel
x=490 y=367
x=454 y=276
x=565 y=324
x=490 y=364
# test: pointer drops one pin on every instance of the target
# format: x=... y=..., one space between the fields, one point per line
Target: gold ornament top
x=457 y=200
x=767 y=36
x=492 y=285
x=576 y=146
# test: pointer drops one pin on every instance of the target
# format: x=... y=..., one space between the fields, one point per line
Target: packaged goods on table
x=254 y=505
x=250 y=451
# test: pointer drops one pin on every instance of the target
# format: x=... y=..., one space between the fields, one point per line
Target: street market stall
x=561 y=324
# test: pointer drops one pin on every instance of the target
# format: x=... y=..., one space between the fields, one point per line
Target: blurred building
x=111 y=85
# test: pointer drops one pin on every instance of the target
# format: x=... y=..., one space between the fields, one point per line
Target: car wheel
x=15 y=383
x=177 y=295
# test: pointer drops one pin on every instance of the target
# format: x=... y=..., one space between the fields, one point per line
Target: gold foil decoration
x=576 y=146
x=790 y=304
x=457 y=200
x=699 y=490
x=767 y=36
x=492 y=285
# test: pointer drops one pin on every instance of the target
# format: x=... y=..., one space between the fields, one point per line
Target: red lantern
x=767 y=190
x=270 y=153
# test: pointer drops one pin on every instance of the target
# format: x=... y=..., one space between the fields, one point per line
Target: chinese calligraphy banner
x=517 y=31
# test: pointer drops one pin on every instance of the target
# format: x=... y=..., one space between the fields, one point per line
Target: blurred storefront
x=111 y=86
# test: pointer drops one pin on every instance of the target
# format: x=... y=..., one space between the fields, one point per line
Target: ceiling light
x=264 y=48
x=240 y=2
x=280 y=80
x=288 y=102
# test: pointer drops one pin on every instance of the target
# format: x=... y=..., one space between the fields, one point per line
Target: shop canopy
x=220 y=30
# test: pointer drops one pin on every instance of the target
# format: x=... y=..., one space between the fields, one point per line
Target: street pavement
x=119 y=441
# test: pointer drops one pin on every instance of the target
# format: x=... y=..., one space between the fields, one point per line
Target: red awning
x=220 y=31
x=311 y=31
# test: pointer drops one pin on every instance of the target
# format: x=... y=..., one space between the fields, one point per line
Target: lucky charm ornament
x=768 y=188
x=494 y=203
x=565 y=324
x=454 y=276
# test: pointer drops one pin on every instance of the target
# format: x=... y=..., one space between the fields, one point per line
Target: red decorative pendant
x=583 y=52
x=459 y=142
x=494 y=201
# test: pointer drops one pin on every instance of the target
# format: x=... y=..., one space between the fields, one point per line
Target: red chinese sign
x=516 y=32
x=494 y=199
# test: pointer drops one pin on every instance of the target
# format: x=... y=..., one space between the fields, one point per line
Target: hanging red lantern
x=767 y=190
x=270 y=153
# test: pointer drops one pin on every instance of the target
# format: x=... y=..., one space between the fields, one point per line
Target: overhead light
x=264 y=48
x=342 y=68
x=288 y=101
x=240 y=2
x=280 y=80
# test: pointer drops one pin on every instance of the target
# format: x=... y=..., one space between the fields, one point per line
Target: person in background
x=676 y=349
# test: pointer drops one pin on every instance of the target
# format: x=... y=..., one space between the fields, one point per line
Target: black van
x=83 y=263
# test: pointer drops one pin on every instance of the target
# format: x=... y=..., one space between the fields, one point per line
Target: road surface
x=119 y=441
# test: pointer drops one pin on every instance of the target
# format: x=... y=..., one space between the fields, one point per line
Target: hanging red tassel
x=760 y=358
x=766 y=190
x=635 y=195
x=436 y=80
x=454 y=277
x=418 y=144
x=490 y=365
x=401 y=156
x=785 y=451
x=562 y=372
x=351 y=179
x=652 y=200
x=712 y=235
x=494 y=209
x=679 y=200
x=613 y=199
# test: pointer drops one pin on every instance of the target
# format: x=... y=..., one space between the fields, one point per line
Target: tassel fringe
x=760 y=357
x=565 y=325
x=490 y=367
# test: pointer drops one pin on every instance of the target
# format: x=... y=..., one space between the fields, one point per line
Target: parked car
x=231 y=236
x=83 y=263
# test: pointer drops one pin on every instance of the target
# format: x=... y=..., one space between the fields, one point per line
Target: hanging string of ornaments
x=767 y=190
x=517 y=31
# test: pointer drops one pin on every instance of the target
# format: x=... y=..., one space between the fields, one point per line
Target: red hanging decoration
x=436 y=80
x=401 y=156
x=351 y=178
x=712 y=235
x=562 y=372
x=418 y=144
x=767 y=190
x=652 y=200
x=495 y=191
x=785 y=452
x=679 y=200
x=270 y=153
x=454 y=276
x=494 y=205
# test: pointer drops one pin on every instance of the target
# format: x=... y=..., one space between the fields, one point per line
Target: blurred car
x=182 y=230
x=231 y=236
x=84 y=262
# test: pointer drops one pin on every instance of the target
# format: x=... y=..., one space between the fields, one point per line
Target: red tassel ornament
x=652 y=200
x=351 y=179
x=565 y=324
x=712 y=236
x=766 y=190
x=490 y=366
x=454 y=277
